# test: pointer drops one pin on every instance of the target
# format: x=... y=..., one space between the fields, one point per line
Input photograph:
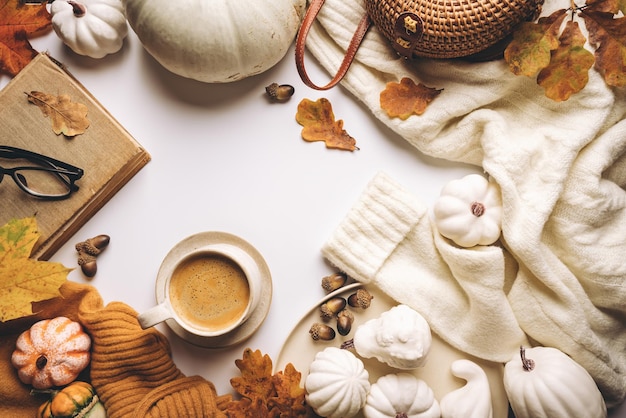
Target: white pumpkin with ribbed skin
x=94 y=28
x=554 y=386
x=337 y=383
x=469 y=211
x=401 y=395
x=216 y=41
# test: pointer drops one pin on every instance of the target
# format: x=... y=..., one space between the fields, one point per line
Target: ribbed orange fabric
x=131 y=368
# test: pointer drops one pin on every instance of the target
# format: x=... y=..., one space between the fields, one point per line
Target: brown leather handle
x=307 y=22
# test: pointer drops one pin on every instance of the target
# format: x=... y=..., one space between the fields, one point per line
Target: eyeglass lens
x=42 y=182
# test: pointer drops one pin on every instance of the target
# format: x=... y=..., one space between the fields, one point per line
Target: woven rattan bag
x=427 y=28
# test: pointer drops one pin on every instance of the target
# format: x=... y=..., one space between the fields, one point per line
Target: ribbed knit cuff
x=373 y=228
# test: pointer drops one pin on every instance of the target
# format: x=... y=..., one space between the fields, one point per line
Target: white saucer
x=253 y=323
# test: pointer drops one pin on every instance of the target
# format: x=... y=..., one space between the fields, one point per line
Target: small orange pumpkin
x=51 y=353
x=77 y=400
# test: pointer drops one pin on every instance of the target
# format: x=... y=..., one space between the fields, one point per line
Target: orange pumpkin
x=76 y=400
x=51 y=353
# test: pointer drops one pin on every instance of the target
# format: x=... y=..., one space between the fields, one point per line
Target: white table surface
x=226 y=159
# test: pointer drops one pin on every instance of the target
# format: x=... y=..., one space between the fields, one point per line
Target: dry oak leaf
x=290 y=396
x=68 y=118
x=403 y=99
x=18 y=21
x=263 y=394
x=530 y=50
x=568 y=71
x=256 y=375
x=319 y=124
x=24 y=280
x=608 y=35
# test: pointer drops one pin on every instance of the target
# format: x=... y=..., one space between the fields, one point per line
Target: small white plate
x=300 y=349
x=253 y=323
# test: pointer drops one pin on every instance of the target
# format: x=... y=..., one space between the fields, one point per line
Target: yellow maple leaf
x=24 y=280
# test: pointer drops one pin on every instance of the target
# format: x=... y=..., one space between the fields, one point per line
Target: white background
x=224 y=158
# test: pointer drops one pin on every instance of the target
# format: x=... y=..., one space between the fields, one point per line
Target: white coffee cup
x=208 y=291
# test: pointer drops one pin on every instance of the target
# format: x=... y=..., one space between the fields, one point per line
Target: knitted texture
x=558 y=273
x=131 y=368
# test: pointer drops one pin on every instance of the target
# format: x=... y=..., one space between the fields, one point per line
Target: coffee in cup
x=208 y=292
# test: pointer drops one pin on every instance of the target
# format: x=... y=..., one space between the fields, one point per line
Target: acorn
x=334 y=281
x=279 y=92
x=87 y=252
x=345 y=318
x=95 y=245
x=360 y=299
x=87 y=263
x=332 y=307
x=321 y=332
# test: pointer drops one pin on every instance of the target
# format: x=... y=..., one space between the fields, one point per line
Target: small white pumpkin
x=547 y=383
x=93 y=28
x=469 y=211
x=218 y=40
x=472 y=400
x=400 y=337
x=337 y=383
x=401 y=395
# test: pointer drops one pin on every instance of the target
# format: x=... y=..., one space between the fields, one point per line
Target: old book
x=106 y=152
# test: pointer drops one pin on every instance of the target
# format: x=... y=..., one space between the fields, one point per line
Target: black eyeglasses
x=45 y=177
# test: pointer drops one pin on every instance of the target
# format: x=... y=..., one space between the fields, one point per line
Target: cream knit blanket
x=559 y=278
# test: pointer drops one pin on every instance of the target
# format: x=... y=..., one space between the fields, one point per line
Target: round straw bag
x=447 y=28
x=427 y=28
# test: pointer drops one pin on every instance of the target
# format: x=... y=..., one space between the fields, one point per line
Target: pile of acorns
x=337 y=308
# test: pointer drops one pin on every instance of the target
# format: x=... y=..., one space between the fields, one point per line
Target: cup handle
x=154 y=315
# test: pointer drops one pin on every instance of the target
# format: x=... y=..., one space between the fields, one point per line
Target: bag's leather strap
x=307 y=22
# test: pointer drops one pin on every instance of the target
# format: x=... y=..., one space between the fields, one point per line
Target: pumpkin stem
x=78 y=8
x=41 y=362
x=478 y=209
x=527 y=363
x=401 y=415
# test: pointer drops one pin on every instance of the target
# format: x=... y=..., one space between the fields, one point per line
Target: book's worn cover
x=107 y=153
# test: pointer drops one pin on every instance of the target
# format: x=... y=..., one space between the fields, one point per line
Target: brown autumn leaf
x=263 y=394
x=534 y=42
x=256 y=375
x=19 y=21
x=530 y=50
x=608 y=35
x=25 y=280
x=568 y=71
x=319 y=124
x=68 y=118
x=403 y=99
x=290 y=396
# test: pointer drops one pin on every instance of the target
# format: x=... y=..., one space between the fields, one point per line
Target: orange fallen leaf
x=68 y=118
x=256 y=375
x=25 y=280
x=264 y=394
x=319 y=124
x=18 y=21
x=403 y=99
x=290 y=396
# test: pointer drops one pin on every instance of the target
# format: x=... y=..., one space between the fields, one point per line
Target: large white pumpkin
x=216 y=41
